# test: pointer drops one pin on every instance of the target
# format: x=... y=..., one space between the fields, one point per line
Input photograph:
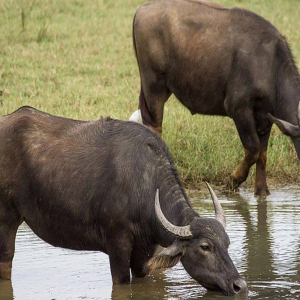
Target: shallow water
x=265 y=247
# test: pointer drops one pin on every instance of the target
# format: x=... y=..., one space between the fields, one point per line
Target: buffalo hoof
x=232 y=184
x=262 y=192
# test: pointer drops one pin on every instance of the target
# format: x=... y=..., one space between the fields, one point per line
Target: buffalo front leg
x=119 y=251
x=248 y=135
x=261 y=188
x=139 y=257
x=153 y=96
x=8 y=228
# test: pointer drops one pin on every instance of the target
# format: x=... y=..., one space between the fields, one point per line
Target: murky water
x=265 y=247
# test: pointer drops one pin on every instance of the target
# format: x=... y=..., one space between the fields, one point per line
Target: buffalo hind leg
x=9 y=223
x=119 y=250
x=139 y=257
x=261 y=188
x=248 y=135
x=153 y=96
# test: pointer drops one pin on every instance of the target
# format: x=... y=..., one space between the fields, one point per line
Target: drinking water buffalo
x=218 y=61
x=106 y=185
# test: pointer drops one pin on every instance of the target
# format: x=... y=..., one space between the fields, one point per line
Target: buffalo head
x=202 y=247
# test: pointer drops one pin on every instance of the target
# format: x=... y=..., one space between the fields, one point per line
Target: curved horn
x=181 y=232
x=220 y=216
x=286 y=127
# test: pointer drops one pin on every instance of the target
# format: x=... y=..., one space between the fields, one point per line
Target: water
x=265 y=247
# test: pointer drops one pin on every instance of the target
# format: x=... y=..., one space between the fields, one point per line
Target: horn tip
x=208 y=186
x=157 y=195
x=271 y=118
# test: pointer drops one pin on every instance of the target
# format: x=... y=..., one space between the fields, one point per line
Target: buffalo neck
x=288 y=97
x=175 y=205
x=287 y=85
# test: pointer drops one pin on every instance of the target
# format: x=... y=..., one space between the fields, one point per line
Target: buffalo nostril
x=236 y=288
x=240 y=286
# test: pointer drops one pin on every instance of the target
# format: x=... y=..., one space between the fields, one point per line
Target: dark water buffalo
x=218 y=61
x=92 y=186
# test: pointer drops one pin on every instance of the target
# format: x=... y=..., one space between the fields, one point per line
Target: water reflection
x=6 y=291
x=270 y=251
x=264 y=233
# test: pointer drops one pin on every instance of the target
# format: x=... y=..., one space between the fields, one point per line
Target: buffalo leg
x=153 y=96
x=139 y=257
x=9 y=223
x=119 y=251
x=248 y=135
x=261 y=188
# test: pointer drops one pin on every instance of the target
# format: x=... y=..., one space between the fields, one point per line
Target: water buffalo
x=106 y=185
x=218 y=61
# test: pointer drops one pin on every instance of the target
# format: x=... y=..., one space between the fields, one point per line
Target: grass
x=75 y=59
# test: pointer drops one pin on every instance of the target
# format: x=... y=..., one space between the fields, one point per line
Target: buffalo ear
x=286 y=127
x=168 y=258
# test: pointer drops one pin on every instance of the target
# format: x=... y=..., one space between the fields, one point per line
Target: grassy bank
x=75 y=59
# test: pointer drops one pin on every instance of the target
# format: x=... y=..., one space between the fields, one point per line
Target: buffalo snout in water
x=202 y=247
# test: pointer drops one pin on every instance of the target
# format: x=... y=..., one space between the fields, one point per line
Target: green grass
x=75 y=59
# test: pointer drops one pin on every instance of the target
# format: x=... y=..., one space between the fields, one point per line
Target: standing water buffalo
x=92 y=186
x=218 y=61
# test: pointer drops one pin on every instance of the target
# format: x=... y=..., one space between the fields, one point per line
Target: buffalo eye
x=205 y=247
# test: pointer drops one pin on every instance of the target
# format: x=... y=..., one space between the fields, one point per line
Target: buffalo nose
x=240 y=286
